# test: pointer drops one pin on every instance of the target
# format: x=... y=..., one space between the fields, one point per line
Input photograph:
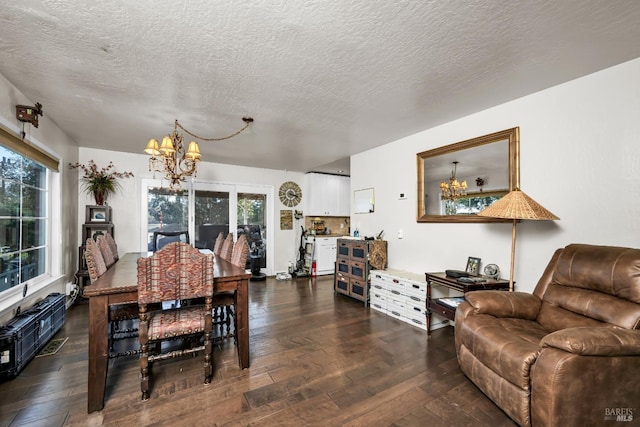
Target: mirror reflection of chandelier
x=176 y=162
x=452 y=189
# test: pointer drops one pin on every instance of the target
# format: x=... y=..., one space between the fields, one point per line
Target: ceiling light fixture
x=453 y=189
x=172 y=158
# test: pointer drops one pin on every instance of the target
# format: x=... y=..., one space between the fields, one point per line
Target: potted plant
x=101 y=183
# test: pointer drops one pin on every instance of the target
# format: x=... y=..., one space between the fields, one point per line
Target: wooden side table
x=441 y=279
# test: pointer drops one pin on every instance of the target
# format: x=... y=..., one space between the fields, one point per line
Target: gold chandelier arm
x=247 y=121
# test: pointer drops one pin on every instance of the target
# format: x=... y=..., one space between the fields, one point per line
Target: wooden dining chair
x=227 y=247
x=112 y=244
x=105 y=250
x=218 y=245
x=95 y=261
x=178 y=271
x=224 y=302
x=240 y=251
x=96 y=255
x=162 y=238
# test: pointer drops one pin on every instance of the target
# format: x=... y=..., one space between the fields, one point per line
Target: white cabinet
x=327 y=195
x=401 y=295
x=325 y=254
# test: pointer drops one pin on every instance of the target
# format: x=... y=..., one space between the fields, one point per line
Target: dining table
x=119 y=284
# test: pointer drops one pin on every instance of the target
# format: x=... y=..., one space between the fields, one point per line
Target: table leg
x=428 y=302
x=98 y=352
x=242 y=321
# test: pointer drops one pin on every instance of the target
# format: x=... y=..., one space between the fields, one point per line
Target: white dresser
x=402 y=295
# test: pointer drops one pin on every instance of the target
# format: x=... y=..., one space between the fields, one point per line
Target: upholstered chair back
x=112 y=245
x=240 y=252
x=178 y=271
x=591 y=286
x=227 y=247
x=95 y=262
x=218 y=245
x=105 y=249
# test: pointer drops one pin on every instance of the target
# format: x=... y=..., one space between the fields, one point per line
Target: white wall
x=53 y=140
x=579 y=158
x=126 y=205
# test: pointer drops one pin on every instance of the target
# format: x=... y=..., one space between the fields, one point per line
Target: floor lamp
x=517 y=206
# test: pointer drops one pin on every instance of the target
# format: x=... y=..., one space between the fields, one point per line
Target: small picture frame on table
x=473 y=265
x=98 y=213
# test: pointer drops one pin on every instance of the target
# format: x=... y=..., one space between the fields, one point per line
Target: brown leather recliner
x=566 y=355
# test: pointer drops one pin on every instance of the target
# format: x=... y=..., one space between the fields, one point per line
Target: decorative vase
x=100 y=198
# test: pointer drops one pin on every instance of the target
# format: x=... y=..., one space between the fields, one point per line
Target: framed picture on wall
x=473 y=265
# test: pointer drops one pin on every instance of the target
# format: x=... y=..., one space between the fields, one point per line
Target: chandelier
x=176 y=162
x=452 y=189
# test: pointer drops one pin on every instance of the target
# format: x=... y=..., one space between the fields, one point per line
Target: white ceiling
x=322 y=79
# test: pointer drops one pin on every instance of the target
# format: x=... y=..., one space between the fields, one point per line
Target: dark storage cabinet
x=352 y=267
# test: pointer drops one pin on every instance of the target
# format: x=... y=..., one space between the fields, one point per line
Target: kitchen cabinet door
x=326 y=251
x=327 y=195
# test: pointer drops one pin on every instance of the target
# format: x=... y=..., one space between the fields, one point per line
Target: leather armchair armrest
x=504 y=304
x=586 y=341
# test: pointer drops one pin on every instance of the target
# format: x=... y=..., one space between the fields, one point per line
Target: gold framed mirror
x=457 y=181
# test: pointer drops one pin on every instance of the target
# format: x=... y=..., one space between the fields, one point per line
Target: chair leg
x=144 y=361
x=227 y=320
x=208 y=365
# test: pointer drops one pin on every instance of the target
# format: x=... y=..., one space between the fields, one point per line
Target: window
x=166 y=211
x=472 y=203
x=23 y=219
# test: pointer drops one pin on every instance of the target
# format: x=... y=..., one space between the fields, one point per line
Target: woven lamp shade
x=517 y=205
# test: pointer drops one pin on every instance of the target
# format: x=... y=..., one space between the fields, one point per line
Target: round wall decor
x=290 y=194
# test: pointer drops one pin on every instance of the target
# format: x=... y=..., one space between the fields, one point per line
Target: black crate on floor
x=28 y=333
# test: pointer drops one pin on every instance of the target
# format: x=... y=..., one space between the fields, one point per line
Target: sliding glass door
x=207 y=209
x=212 y=212
x=165 y=211
x=252 y=221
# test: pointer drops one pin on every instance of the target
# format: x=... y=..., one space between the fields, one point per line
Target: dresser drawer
x=441 y=310
x=379 y=288
x=379 y=279
x=418 y=320
x=417 y=301
x=415 y=309
x=342 y=283
x=359 y=251
x=396 y=305
x=343 y=248
x=342 y=265
x=357 y=270
x=416 y=289
x=378 y=301
x=358 y=288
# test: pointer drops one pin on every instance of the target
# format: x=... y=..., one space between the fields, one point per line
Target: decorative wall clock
x=290 y=194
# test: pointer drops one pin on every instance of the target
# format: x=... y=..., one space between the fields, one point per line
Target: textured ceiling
x=322 y=79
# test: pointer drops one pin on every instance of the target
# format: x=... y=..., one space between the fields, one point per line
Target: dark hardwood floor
x=316 y=359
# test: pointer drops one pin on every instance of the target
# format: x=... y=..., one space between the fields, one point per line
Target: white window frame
x=54 y=256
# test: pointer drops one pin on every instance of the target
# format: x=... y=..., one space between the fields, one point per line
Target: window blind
x=14 y=143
